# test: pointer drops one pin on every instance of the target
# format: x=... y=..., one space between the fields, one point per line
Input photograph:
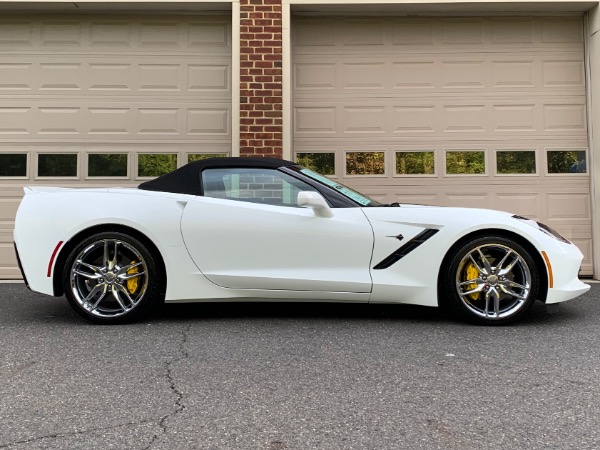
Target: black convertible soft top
x=186 y=179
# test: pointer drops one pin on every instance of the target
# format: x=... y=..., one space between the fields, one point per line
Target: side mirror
x=314 y=200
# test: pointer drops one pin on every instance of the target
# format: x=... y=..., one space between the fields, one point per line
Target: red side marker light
x=51 y=263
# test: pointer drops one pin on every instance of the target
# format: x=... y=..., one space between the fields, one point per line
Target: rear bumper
x=21 y=266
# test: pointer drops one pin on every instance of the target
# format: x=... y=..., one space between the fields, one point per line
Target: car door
x=247 y=232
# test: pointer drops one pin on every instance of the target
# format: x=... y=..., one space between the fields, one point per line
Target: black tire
x=490 y=280
x=111 y=278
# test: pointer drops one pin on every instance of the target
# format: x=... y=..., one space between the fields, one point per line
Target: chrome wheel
x=108 y=278
x=494 y=281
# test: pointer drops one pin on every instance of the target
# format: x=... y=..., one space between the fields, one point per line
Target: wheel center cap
x=110 y=277
x=492 y=279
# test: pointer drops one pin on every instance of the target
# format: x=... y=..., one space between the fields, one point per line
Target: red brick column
x=260 y=78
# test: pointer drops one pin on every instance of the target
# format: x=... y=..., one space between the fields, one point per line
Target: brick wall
x=260 y=78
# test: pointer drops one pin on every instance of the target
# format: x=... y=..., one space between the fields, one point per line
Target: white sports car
x=245 y=229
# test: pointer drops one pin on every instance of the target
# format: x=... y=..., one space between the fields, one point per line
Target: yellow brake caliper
x=471 y=273
x=133 y=283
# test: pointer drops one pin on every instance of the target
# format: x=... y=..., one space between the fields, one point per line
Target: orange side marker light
x=549 y=266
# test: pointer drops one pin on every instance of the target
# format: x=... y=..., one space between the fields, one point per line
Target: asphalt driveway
x=297 y=376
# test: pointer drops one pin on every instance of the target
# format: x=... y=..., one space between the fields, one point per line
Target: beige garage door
x=107 y=101
x=479 y=112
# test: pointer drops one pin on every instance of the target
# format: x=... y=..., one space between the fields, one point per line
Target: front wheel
x=111 y=278
x=491 y=280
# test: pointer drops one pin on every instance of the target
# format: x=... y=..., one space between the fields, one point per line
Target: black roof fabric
x=186 y=179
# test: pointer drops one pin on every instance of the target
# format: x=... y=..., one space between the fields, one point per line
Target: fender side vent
x=406 y=249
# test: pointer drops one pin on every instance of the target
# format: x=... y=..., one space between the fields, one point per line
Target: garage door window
x=465 y=162
x=365 y=163
x=415 y=163
x=63 y=165
x=200 y=156
x=107 y=165
x=13 y=165
x=515 y=162
x=567 y=161
x=321 y=162
x=156 y=164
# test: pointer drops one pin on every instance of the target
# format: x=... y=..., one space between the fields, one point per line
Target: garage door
x=106 y=101
x=476 y=112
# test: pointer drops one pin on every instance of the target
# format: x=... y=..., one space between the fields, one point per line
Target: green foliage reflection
x=515 y=162
x=415 y=163
x=566 y=161
x=323 y=163
x=13 y=165
x=107 y=165
x=465 y=163
x=57 y=165
x=156 y=164
x=201 y=156
x=365 y=163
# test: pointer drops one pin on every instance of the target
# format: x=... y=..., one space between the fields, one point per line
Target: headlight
x=542 y=227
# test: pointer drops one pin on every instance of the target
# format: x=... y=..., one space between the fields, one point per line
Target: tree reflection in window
x=107 y=165
x=515 y=162
x=13 y=165
x=156 y=164
x=365 y=163
x=567 y=161
x=57 y=165
x=323 y=163
x=465 y=162
x=415 y=163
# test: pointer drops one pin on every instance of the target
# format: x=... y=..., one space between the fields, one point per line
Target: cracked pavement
x=297 y=376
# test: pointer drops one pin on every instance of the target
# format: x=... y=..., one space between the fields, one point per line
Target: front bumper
x=565 y=261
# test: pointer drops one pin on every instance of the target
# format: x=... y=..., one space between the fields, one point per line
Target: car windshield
x=357 y=197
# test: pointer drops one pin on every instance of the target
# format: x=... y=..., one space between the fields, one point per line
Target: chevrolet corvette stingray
x=254 y=229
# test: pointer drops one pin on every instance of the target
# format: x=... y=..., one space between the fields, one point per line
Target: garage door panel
x=533 y=117
x=77 y=76
x=441 y=73
x=498 y=105
x=408 y=35
x=114 y=120
x=116 y=34
x=107 y=100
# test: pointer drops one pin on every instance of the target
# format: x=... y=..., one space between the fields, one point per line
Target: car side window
x=253 y=185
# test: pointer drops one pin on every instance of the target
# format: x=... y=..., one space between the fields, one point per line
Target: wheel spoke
x=479 y=288
x=486 y=264
x=115 y=294
x=106 y=254
x=501 y=263
x=93 y=308
x=121 y=288
x=477 y=266
x=127 y=268
x=508 y=268
x=89 y=266
x=90 y=276
x=474 y=281
x=131 y=275
x=512 y=293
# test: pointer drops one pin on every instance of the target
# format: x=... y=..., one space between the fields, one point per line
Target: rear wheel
x=111 y=278
x=491 y=280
